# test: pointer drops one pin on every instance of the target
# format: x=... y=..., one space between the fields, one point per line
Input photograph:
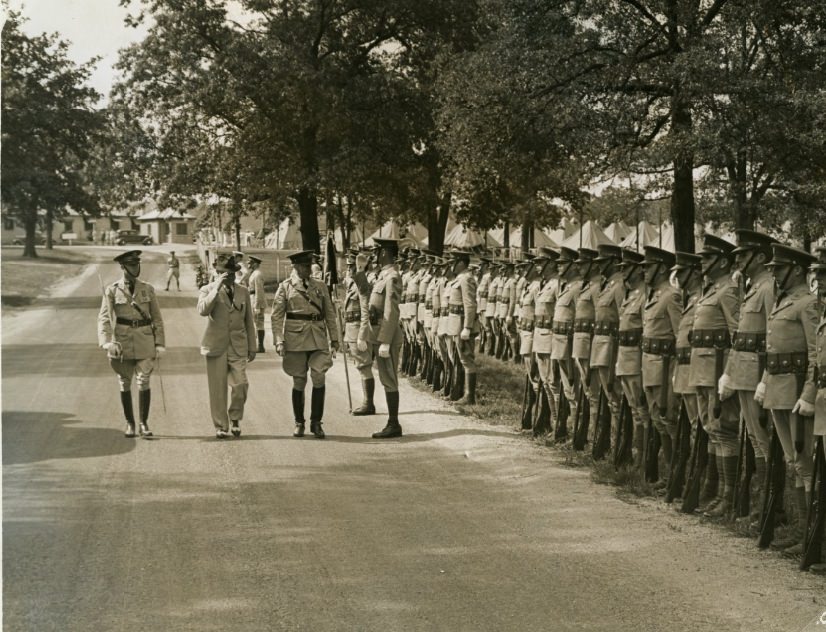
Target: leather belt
x=543 y=323
x=710 y=339
x=444 y=311
x=582 y=326
x=658 y=346
x=629 y=337
x=606 y=328
x=352 y=317
x=312 y=317
x=563 y=328
x=457 y=309
x=787 y=363
x=753 y=342
x=133 y=323
x=683 y=355
x=428 y=305
x=526 y=324
x=821 y=377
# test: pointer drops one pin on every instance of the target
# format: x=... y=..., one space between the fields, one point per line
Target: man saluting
x=130 y=329
x=305 y=332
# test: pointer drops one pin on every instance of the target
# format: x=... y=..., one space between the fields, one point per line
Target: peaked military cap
x=130 y=256
x=752 y=240
x=658 y=255
x=460 y=255
x=527 y=260
x=567 y=255
x=714 y=245
x=631 y=257
x=586 y=255
x=608 y=251
x=351 y=258
x=546 y=254
x=254 y=258
x=305 y=256
x=685 y=260
x=787 y=256
x=226 y=263
x=390 y=245
x=237 y=254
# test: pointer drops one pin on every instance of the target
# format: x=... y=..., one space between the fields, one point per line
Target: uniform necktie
x=131 y=287
x=230 y=294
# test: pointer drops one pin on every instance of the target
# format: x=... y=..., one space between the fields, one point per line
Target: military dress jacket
x=606 y=317
x=506 y=298
x=629 y=352
x=444 y=305
x=429 y=304
x=563 y=320
x=436 y=297
x=258 y=295
x=382 y=314
x=421 y=300
x=482 y=292
x=681 y=385
x=527 y=316
x=660 y=324
x=586 y=310
x=743 y=366
x=544 y=316
x=230 y=324
x=516 y=306
x=494 y=292
x=820 y=400
x=462 y=305
x=315 y=328
x=137 y=342
x=791 y=349
x=355 y=300
x=715 y=321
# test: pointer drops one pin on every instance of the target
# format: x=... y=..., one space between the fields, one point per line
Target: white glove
x=109 y=346
x=723 y=388
x=361 y=345
x=804 y=408
x=114 y=349
x=279 y=348
x=384 y=351
x=760 y=393
x=159 y=350
x=333 y=350
x=465 y=335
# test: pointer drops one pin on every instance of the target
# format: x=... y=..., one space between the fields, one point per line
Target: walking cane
x=344 y=355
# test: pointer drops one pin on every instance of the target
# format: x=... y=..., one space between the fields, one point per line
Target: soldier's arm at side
x=468 y=286
x=390 y=323
x=104 y=320
x=249 y=325
x=279 y=314
x=810 y=317
x=675 y=309
x=157 y=319
x=730 y=304
x=260 y=293
x=330 y=316
x=207 y=297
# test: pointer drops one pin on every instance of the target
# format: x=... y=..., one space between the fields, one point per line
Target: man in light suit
x=228 y=343
x=258 y=296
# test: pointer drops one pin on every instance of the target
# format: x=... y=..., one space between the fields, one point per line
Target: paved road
x=457 y=526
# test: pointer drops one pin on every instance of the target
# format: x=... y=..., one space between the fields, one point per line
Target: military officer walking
x=305 y=332
x=385 y=333
x=259 y=298
x=173 y=270
x=788 y=386
x=130 y=329
x=228 y=344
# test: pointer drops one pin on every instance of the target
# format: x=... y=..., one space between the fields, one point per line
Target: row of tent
x=590 y=235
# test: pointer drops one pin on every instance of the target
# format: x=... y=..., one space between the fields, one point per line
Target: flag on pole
x=330 y=269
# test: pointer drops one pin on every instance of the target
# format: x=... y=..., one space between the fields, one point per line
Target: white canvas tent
x=539 y=239
x=567 y=227
x=617 y=231
x=589 y=236
x=286 y=237
x=648 y=236
x=462 y=237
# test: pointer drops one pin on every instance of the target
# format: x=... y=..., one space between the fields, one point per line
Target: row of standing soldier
x=713 y=360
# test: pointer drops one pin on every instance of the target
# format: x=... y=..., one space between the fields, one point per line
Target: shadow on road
x=30 y=437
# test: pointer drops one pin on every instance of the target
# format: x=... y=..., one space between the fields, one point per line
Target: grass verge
x=23 y=280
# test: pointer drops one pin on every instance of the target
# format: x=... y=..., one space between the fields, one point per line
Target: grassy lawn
x=23 y=280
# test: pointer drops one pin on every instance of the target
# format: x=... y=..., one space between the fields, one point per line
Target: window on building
x=181 y=229
x=8 y=223
x=68 y=225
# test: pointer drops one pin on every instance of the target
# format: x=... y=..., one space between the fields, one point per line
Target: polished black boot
x=393 y=427
x=438 y=366
x=317 y=411
x=368 y=385
x=298 y=412
x=470 y=389
x=144 y=398
x=129 y=415
x=458 y=390
x=527 y=411
x=261 y=341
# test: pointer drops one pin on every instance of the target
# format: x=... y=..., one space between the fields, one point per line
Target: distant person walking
x=174 y=271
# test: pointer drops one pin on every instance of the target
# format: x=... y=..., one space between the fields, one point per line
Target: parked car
x=132 y=237
x=39 y=240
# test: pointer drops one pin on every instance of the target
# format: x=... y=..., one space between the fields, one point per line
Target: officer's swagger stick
x=343 y=346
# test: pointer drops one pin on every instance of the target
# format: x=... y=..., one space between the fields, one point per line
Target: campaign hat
x=130 y=256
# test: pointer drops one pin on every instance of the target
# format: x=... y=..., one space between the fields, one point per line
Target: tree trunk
x=437 y=223
x=237 y=225
x=682 y=197
x=506 y=235
x=29 y=250
x=308 y=214
x=49 y=228
x=527 y=233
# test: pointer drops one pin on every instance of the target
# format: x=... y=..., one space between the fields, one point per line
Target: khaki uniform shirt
x=314 y=300
x=717 y=310
x=609 y=300
x=383 y=308
x=137 y=343
x=257 y=293
x=629 y=357
x=661 y=321
x=484 y=284
x=791 y=329
x=742 y=366
x=586 y=310
x=564 y=314
x=421 y=299
x=681 y=385
x=506 y=298
x=544 y=316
